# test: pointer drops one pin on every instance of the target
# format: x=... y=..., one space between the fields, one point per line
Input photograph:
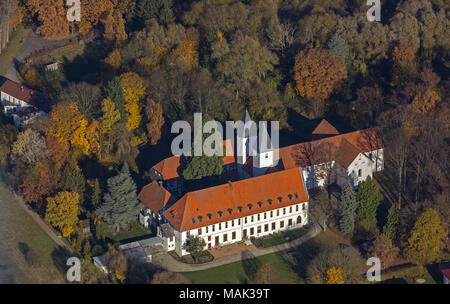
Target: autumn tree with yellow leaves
x=334 y=276
x=133 y=91
x=62 y=211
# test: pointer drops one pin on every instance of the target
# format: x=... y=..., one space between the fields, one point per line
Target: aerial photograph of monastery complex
x=208 y=145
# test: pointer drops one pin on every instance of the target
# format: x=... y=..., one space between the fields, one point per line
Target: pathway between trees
x=167 y=262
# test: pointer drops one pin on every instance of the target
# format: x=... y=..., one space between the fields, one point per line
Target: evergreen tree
x=96 y=194
x=144 y=10
x=120 y=204
x=347 y=209
x=199 y=167
x=392 y=225
x=73 y=180
x=113 y=90
x=369 y=198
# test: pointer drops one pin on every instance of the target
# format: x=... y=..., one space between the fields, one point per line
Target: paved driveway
x=167 y=262
x=33 y=44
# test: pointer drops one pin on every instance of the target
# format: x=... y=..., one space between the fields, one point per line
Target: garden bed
x=204 y=257
x=280 y=238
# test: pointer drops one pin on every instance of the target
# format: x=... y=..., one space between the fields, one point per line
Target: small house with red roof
x=444 y=268
x=22 y=103
x=271 y=195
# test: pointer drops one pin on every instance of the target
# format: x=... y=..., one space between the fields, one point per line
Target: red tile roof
x=154 y=197
x=325 y=129
x=184 y=214
x=346 y=153
x=446 y=272
x=172 y=167
x=327 y=149
x=31 y=97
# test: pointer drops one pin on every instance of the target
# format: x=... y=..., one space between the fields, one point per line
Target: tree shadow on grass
x=250 y=264
x=303 y=256
x=60 y=256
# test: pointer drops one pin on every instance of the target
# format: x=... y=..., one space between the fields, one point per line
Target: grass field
x=17 y=39
x=16 y=229
x=290 y=266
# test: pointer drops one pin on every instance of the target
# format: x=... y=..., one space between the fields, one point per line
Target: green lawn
x=136 y=232
x=290 y=266
x=18 y=229
x=17 y=39
x=243 y=271
x=407 y=276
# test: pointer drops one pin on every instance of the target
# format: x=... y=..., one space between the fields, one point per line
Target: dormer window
x=259 y=204
x=239 y=208
x=296 y=195
x=290 y=197
x=220 y=213
x=209 y=215
x=230 y=211
x=193 y=220
x=280 y=199
x=200 y=218
x=249 y=206
x=269 y=201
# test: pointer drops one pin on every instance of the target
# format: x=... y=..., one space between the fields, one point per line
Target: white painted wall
x=210 y=232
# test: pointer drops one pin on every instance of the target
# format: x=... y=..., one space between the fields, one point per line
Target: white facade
x=11 y=104
x=257 y=225
x=364 y=164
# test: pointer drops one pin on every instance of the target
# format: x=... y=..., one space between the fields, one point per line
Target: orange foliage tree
x=52 y=15
x=318 y=73
x=154 y=114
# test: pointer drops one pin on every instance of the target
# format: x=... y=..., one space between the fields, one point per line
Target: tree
x=58 y=152
x=148 y=9
x=52 y=17
x=8 y=135
x=264 y=274
x=344 y=257
x=165 y=277
x=96 y=196
x=196 y=246
x=113 y=90
x=120 y=204
x=383 y=249
x=86 y=96
x=391 y=229
x=38 y=182
x=62 y=210
x=426 y=241
x=321 y=209
x=133 y=91
x=154 y=114
x=347 y=209
x=370 y=101
x=318 y=73
x=28 y=148
x=72 y=179
x=117 y=263
x=369 y=198
x=334 y=276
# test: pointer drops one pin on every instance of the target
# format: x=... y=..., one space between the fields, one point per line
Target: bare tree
x=281 y=35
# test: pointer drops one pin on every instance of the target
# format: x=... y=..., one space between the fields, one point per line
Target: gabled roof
x=172 y=167
x=324 y=129
x=346 y=153
x=154 y=196
x=230 y=201
x=31 y=97
x=326 y=149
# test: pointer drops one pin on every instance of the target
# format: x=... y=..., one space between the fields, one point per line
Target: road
x=167 y=262
x=33 y=44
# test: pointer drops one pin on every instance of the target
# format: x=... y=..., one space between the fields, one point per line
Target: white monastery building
x=270 y=196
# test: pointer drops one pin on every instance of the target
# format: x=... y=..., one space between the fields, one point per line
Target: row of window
x=251 y=219
x=240 y=208
x=251 y=231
